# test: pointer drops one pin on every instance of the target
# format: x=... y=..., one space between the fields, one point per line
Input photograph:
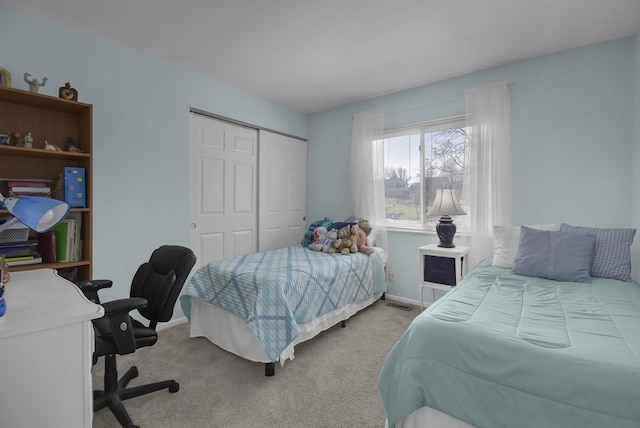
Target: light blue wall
x=141 y=147
x=572 y=139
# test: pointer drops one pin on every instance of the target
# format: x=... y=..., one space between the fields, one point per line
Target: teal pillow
x=557 y=255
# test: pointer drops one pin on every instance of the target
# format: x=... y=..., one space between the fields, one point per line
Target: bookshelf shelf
x=53 y=120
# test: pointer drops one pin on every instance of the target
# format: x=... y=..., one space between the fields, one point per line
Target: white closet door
x=223 y=189
x=282 y=191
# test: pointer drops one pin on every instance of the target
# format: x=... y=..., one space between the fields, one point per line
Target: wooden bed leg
x=384 y=296
x=269 y=369
x=343 y=324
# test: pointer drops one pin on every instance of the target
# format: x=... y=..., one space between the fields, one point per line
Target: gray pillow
x=557 y=255
x=612 y=254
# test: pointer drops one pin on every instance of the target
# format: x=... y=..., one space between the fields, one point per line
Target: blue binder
x=74 y=186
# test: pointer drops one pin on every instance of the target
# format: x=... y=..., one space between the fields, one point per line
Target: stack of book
x=68 y=240
x=27 y=187
x=21 y=253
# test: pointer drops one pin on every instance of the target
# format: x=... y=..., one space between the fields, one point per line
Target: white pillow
x=507 y=239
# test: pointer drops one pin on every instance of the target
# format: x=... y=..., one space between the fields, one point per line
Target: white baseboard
x=402 y=300
x=172 y=323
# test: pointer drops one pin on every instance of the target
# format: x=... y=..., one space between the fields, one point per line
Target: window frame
x=422 y=129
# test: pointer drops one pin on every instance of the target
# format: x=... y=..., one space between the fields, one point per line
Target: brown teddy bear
x=343 y=244
x=363 y=230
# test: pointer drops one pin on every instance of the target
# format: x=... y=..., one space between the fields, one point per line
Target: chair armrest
x=120 y=325
x=123 y=306
x=90 y=288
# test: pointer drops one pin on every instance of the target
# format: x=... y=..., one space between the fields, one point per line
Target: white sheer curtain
x=487 y=180
x=366 y=173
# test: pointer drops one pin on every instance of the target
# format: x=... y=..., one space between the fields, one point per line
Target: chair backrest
x=160 y=281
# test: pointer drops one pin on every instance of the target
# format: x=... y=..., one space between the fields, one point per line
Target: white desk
x=46 y=347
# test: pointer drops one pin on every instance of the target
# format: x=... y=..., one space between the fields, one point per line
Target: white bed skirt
x=427 y=417
x=228 y=331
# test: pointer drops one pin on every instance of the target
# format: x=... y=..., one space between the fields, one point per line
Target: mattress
x=503 y=350
x=276 y=291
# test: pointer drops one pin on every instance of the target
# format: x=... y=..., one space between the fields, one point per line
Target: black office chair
x=154 y=291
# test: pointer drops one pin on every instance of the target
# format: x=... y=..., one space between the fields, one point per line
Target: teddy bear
x=343 y=243
x=328 y=241
x=318 y=236
x=363 y=230
x=309 y=237
x=324 y=240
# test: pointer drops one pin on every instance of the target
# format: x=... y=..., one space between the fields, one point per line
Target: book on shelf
x=18 y=249
x=68 y=238
x=47 y=246
x=21 y=261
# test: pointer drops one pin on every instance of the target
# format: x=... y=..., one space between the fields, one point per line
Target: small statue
x=72 y=146
x=4 y=139
x=51 y=147
x=28 y=141
x=17 y=140
x=34 y=85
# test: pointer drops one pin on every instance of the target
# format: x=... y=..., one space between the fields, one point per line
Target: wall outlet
x=391 y=275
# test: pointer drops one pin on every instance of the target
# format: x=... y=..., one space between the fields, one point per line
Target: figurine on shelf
x=34 y=85
x=17 y=140
x=4 y=139
x=28 y=141
x=51 y=147
x=67 y=92
x=72 y=146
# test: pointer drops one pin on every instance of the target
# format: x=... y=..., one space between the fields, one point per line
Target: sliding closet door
x=223 y=188
x=282 y=191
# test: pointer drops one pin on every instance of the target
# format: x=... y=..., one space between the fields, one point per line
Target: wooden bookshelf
x=53 y=120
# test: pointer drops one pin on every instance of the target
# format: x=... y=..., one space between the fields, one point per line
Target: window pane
x=402 y=178
x=443 y=162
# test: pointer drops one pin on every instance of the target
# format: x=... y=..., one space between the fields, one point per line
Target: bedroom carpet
x=332 y=382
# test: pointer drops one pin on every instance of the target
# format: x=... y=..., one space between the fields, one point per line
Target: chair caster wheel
x=175 y=387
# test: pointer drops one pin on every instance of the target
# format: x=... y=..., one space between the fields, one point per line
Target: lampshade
x=446 y=204
x=36 y=212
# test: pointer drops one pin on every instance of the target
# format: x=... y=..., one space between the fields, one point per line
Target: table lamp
x=36 y=212
x=445 y=205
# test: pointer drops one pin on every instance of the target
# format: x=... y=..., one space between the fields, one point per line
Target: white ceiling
x=312 y=55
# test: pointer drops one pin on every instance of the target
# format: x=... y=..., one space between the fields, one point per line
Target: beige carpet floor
x=332 y=382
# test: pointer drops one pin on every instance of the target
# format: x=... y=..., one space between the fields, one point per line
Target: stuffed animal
x=328 y=241
x=309 y=237
x=354 y=235
x=343 y=243
x=362 y=241
x=318 y=234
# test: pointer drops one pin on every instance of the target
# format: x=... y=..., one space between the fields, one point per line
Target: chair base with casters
x=154 y=291
x=116 y=390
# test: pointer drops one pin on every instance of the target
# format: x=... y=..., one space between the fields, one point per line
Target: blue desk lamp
x=36 y=212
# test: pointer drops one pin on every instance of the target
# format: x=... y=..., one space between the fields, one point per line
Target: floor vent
x=399 y=306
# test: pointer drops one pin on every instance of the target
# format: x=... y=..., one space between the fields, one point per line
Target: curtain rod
x=441 y=99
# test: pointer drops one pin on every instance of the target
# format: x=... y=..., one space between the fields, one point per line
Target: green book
x=64 y=236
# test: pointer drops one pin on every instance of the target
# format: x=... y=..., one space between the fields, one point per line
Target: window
x=418 y=160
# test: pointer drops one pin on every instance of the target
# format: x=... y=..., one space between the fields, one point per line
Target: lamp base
x=446 y=230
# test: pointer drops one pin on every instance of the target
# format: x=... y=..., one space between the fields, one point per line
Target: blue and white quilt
x=277 y=290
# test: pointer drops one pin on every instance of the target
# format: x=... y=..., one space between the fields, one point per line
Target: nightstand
x=440 y=268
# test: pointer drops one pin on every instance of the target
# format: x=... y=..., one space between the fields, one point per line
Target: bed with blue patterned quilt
x=275 y=292
x=507 y=350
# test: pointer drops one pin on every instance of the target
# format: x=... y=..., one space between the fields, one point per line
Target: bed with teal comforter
x=503 y=350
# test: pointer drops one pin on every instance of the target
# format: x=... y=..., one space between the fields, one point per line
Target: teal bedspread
x=276 y=291
x=503 y=350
